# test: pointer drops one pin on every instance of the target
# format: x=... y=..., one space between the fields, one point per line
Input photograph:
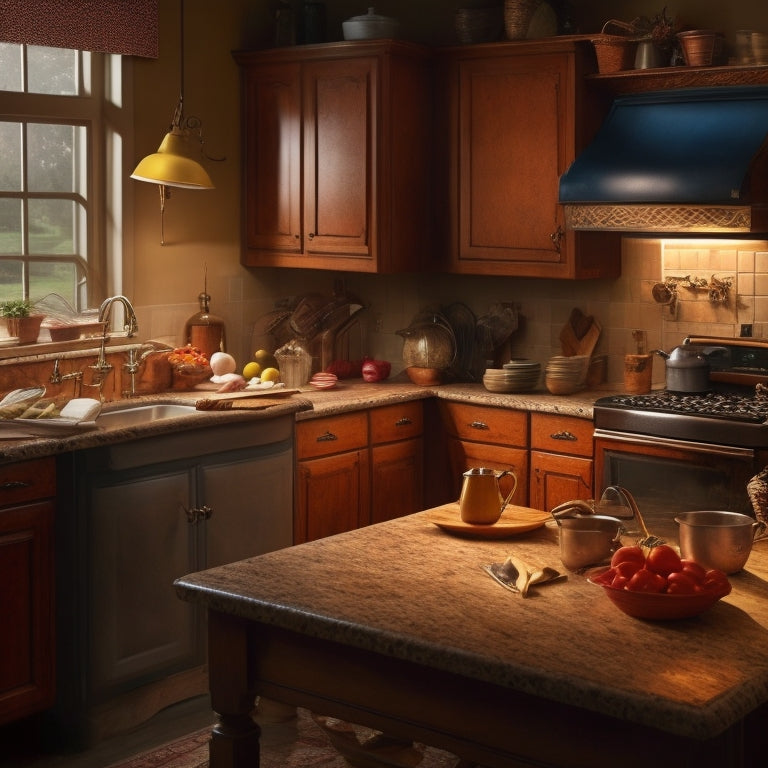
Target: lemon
x=265 y=359
x=270 y=374
x=251 y=370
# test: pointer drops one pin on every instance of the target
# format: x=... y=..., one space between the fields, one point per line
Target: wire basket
x=517 y=17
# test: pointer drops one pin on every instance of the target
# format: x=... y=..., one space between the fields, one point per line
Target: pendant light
x=173 y=165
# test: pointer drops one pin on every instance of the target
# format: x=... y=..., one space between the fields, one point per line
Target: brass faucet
x=57 y=377
x=135 y=358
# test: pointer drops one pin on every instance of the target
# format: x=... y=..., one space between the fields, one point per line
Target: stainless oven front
x=667 y=476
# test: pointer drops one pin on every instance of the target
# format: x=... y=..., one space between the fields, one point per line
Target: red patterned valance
x=108 y=26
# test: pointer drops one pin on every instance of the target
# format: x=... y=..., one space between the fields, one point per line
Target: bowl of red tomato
x=658 y=584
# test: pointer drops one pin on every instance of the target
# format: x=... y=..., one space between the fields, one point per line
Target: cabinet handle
x=478 y=425
x=196 y=514
x=10 y=485
x=328 y=437
x=404 y=422
x=564 y=435
x=556 y=237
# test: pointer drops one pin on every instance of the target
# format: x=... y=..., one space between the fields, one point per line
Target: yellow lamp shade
x=170 y=166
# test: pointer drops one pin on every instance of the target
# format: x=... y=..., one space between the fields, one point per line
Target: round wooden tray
x=513 y=521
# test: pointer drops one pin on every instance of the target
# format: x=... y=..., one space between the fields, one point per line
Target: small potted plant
x=20 y=320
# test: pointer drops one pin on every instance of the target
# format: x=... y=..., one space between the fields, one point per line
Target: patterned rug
x=305 y=742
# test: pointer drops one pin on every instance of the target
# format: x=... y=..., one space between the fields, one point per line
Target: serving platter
x=12 y=429
x=514 y=520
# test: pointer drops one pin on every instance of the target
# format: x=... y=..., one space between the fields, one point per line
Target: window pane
x=10 y=280
x=10 y=67
x=10 y=227
x=10 y=156
x=53 y=277
x=49 y=157
x=51 y=226
x=52 y=70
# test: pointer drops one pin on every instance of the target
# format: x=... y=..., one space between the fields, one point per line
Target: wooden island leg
x=235 y=738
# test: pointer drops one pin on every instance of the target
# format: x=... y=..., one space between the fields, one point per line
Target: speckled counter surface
x=308 y=403
x=410 y=590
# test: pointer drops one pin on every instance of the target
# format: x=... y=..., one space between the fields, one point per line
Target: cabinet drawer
x=397 y=422
x=27 y=481
x=561 y=434
x=335 y=434
x=499 y=426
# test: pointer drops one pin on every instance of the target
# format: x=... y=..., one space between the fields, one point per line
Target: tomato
x=664 y=560
x=606 y=577
x=628 y=554
x=646 y=581
x=680 y=583
x=694 y=570
x=620 y=582
x=716 y=581
x=627 y=568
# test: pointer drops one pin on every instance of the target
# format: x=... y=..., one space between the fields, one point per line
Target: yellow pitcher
x=481 y=502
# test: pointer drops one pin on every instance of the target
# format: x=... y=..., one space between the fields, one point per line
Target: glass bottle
x=205 y=330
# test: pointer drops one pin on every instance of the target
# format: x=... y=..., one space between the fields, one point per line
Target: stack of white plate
x=566 y=374
x=514 y=376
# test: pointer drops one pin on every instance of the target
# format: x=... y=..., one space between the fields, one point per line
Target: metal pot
x=715 y=539
x=687 y=369
x=588 y=540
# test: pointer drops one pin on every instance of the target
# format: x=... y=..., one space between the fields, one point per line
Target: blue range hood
x=687 y=160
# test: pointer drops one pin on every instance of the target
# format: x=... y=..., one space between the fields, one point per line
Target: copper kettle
x=481 y=502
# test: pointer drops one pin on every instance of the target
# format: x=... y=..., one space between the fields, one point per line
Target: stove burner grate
x=713 y=405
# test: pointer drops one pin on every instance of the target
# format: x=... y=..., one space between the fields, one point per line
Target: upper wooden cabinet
x=337 y=161
x=512 y=118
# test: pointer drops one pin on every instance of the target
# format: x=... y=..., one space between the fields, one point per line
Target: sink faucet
x=131 y=326
x=102 y=367
x=57 y=377
x=136 y=356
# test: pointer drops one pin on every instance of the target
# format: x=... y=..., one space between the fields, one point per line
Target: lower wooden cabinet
x=484 y=436
x=561 y=460
x=357 y=468
x=27 y=639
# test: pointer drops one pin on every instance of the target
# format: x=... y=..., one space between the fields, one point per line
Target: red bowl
x=656 y=606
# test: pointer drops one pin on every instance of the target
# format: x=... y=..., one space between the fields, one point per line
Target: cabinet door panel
x=273 y=158
x=509 y=108
x=488 y=425
x=561 y=434
x=153 y=629
x=465 y=455
x=338 y=141
x=556 y=479
x=27 y=655
x=251 y=507
x=331 y=495
x=396 y=474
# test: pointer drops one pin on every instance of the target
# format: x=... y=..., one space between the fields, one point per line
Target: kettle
x=481 y=502
x=688 y=367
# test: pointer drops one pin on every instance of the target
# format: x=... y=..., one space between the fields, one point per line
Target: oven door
x=669 y=476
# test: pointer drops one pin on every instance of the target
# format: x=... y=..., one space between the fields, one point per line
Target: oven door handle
x=663 y=442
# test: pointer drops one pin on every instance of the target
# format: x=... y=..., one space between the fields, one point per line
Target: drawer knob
x=328 y=437
x=478 y=425
x=564 y=435
x=196 y=514
x=404 y=422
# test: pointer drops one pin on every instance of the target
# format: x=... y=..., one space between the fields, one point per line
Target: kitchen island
x=397 y=627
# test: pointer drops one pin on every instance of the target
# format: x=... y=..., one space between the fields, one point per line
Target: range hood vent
x=683 y=161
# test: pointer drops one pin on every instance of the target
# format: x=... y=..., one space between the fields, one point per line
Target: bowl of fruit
x=657 y=584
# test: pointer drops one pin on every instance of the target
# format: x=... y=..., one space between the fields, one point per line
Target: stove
x=733 y=413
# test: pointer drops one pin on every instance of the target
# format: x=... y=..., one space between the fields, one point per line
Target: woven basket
x=517 y=17
x=615 y=47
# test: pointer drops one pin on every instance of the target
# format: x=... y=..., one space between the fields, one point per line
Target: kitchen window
x=55 y=139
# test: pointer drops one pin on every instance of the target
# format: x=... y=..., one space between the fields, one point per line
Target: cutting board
x=243 y=400
x=579 y=335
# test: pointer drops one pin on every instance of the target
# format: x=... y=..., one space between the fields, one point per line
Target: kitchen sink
x=136 y=415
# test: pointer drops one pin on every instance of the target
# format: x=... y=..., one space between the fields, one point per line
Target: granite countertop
x=407 y=589
x=349 y=395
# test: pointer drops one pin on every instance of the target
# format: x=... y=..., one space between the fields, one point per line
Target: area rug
x=306 y=742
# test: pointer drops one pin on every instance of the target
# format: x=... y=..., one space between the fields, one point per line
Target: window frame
x=107 y=119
